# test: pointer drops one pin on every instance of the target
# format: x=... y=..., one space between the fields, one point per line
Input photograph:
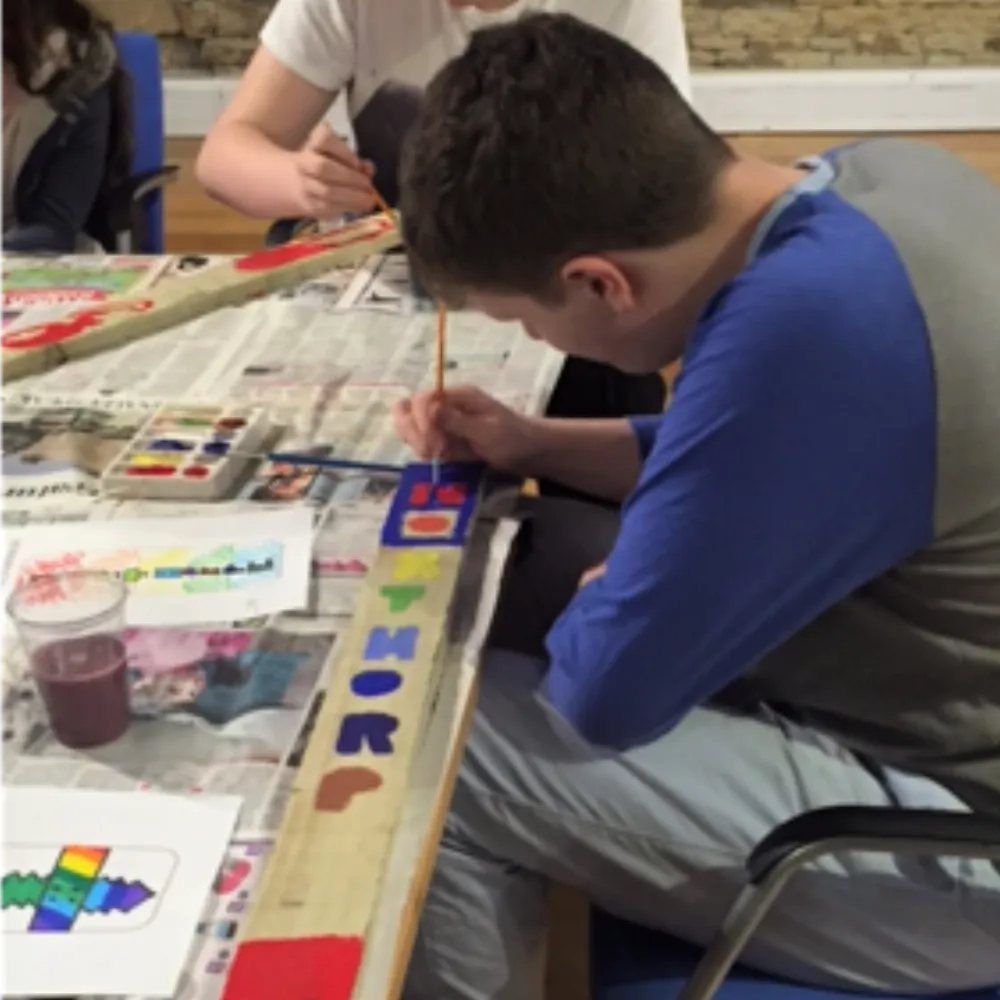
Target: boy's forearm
x=600 y=457
x=245 y=170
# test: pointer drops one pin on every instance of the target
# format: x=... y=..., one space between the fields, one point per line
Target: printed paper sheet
x=31 y=282
x=208 y=570
x=103 y=891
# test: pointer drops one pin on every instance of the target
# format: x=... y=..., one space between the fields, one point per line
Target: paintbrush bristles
x=442 y=321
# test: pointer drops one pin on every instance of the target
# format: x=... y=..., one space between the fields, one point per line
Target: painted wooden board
x=305 y=939
x=91 y=330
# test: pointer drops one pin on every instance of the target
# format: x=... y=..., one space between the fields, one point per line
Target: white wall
x=919 y=100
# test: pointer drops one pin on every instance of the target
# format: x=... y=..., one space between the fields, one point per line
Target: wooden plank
x=305 y=939
x=119 y=321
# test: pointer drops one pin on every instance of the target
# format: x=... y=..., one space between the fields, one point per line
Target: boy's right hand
x=464 y=424
x=331 y=179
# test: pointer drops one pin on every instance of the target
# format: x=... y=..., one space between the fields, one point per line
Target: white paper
x=166 y=851
x=184 y=571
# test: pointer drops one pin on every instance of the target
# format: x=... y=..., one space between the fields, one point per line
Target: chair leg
x=737 y=929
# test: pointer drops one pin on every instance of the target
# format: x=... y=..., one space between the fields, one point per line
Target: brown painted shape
x=337 y=788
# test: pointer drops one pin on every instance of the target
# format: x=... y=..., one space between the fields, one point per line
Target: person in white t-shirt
x=271 y=154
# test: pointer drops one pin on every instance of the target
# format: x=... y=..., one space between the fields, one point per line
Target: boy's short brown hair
x=546 y=139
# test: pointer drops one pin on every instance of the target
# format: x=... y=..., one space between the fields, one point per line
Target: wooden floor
x=195 y=224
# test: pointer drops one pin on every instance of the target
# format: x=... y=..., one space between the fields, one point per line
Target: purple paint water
x=84 y=686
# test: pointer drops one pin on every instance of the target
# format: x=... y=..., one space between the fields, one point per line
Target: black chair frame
x=835 y=830
x=125 y=228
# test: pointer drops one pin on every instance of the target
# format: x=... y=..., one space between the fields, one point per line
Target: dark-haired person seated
x=65 y=123
x=801 y=604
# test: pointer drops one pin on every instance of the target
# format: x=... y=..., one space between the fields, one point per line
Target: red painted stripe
x=317 y=968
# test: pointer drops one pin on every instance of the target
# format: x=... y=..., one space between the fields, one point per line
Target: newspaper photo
x=53 y=458
x=287 y=482
x=229 y=906
x=242 y=685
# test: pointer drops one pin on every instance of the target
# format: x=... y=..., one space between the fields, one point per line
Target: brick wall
x=219 y=35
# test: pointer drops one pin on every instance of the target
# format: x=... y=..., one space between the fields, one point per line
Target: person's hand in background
x=465 y=424
x=272 y=155
x=331 y=180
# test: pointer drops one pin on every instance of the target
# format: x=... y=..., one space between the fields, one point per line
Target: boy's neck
x=746 y=192
x=680 y=280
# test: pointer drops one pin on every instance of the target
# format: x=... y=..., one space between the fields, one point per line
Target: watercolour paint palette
x=188 y=453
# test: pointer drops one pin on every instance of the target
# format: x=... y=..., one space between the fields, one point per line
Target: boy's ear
x=600 y=278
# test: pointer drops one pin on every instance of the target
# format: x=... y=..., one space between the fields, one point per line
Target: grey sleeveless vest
x=907 y=669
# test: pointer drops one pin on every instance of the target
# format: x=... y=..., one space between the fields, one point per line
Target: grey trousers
x=659 y=834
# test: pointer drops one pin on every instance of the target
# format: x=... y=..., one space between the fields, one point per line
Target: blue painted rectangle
x=53 y=903
x=418 y=478
x=46 y=919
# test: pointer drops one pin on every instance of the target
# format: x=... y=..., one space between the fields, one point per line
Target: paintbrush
x=442 y=321
x=439 y=360
x=380 y=202
x=299 y=458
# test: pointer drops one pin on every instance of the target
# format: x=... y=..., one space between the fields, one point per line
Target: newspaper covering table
x=226 y=708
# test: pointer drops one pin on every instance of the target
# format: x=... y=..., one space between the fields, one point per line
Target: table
x=328 y=359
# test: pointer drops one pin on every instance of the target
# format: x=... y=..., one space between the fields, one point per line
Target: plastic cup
x=72 y=628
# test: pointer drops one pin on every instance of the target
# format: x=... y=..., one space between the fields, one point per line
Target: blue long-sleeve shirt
x=794 y=464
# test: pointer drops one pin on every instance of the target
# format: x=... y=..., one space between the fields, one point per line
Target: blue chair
x=136 y=208
x=633 y=963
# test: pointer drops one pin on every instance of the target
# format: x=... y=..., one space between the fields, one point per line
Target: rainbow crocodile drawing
x=73 y=886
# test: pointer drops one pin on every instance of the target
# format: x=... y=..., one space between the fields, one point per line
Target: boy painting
x=800 y=606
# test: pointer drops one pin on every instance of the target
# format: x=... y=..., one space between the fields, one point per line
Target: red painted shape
x=275 y=257
x=232 y=876
x=230 y=423
x=420 y=495
x=448 y=494
x=43 y=334
x=150 y=470
x=429 y=524
x=316 y=968
x=288 y=253
x=451 y=494
x=196 y=472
